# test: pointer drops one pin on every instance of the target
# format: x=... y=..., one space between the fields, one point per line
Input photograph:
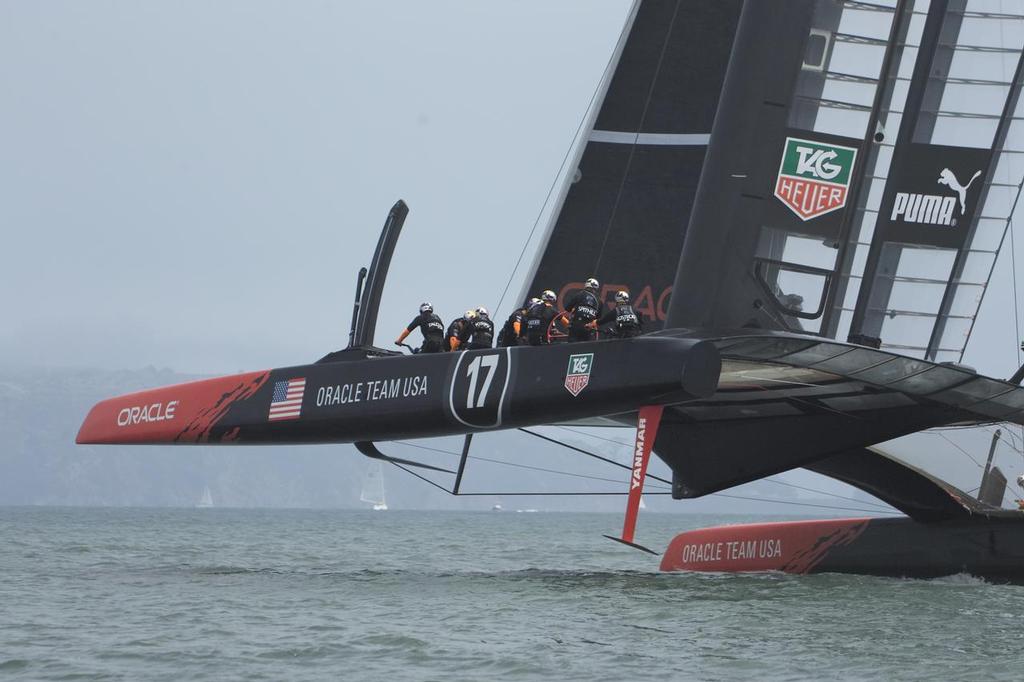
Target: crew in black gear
x=458 y=331
x=538 y=319
x=627 y=322
x=430 y=325
x=514 y=326
x=583 y=309
x=481 y=330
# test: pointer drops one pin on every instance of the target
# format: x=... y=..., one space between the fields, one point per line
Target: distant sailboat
x=373 y=487
x=206 y=501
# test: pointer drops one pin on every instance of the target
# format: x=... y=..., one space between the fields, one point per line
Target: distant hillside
x=41 y=410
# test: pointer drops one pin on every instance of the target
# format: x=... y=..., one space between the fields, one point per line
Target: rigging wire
x=776 y=481
x=1016 y=305
x=640 y=126
x=591 y=454
x=554 y=181
x=523 y=466
x=590 y=435
x=880 y=505
x=549 y=494
x=879 y=509
x=808 y=504
x=967 y=454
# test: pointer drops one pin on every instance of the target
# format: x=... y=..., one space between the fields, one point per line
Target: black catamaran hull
x=987 y=547
x=418 y=396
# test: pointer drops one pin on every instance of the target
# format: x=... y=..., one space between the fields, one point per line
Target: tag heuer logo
x=814 y=177
x=577 y=376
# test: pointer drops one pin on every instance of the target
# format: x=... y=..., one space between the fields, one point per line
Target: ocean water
x=214 y=594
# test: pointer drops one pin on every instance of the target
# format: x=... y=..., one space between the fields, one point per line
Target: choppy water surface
x=229 y=594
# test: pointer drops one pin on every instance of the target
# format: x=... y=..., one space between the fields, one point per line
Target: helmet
x=622 y=297
x=533 y=301
x=548 y=296
x=593 y=284
x=470 y=314
x=1020 y=480
x=426 y=308
x=481 y=311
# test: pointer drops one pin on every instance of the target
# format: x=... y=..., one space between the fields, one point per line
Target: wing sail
x=624 y=214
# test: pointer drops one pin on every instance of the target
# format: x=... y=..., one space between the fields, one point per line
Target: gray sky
x=195 y=184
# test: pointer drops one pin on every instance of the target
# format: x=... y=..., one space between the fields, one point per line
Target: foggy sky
x=194 y=185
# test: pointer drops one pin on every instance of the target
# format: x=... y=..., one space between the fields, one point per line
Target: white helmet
x=481 y=311
x=470 y=314
x=426 y=308
x=593 y=284
x=622 y=297
x=533 y=301
x=548 y=296
x=1020 y=480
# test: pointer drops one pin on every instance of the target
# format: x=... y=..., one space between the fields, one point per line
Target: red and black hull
x=987 y=547
x=417 y=396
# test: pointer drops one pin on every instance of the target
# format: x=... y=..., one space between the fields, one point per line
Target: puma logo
x=947 y=178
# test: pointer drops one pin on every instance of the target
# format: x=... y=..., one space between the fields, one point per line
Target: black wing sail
x=625 y=212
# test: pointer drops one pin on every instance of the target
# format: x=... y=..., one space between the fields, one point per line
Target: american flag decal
x=287 y=400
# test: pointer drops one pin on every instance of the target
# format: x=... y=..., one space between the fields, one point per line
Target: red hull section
x=792 y=547
x=183 y=413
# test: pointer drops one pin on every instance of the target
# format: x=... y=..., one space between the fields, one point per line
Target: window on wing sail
x=795 y=271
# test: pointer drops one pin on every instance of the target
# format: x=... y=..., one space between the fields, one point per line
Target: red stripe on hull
x=792 y=547
x=184 y=413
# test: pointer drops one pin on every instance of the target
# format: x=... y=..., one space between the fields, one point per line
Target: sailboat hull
x=413 y=396
x=987 y=547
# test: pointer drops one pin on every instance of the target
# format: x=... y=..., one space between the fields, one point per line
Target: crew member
x=430 y=325
x=458 y=331
x=539 y=317
x=583 y=309
x=515 y=325
x=481 y=330
x=627 y=322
